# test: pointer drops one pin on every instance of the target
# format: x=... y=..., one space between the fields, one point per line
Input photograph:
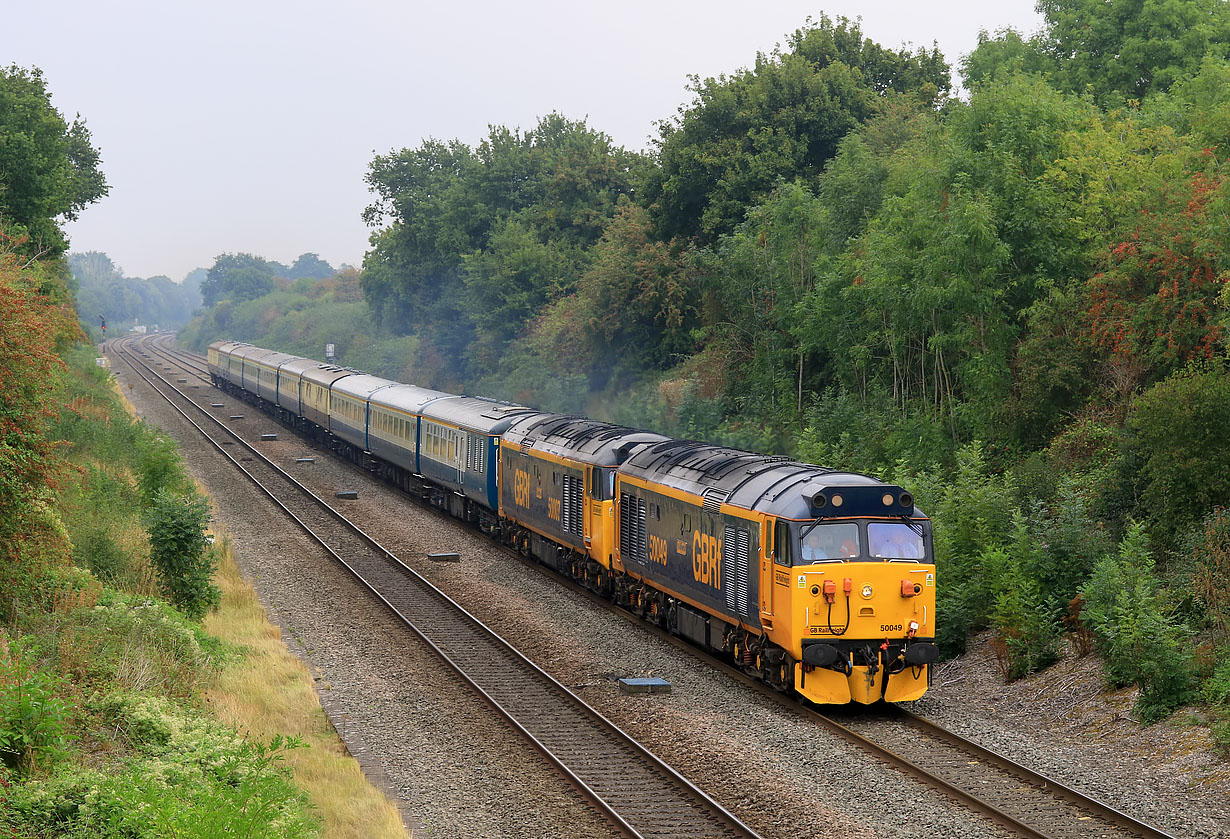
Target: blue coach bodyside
x=290 y=383
x=348 y=407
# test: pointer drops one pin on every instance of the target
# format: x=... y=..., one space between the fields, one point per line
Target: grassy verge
x=122 y=715
x=269 y=692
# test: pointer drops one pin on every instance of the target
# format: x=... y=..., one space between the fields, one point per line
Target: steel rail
x=718 y=821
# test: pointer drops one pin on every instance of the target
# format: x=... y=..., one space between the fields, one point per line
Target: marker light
x=867 y=591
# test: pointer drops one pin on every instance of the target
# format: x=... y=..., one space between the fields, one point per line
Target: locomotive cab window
x=896 y=542
x=783 y=543
x=601 y=483
x=834 y=542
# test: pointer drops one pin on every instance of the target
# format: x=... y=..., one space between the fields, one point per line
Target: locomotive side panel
x=703 y=556
x=545 y=494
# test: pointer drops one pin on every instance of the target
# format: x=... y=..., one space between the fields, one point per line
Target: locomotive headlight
x=867 y=591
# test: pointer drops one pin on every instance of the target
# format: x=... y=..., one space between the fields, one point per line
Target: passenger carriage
x=223 y=365
x=289 y=396
x=393 y=428
x=348 y=411
x=458 y=449
x=315 y=395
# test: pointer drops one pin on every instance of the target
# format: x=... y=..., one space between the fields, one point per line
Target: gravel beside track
x=779 y=774
x=456 y=770
x=1065 y=724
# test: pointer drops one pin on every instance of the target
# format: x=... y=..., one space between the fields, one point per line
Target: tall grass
x=271 y=691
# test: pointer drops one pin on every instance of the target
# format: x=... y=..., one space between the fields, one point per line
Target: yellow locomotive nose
x=865 y=641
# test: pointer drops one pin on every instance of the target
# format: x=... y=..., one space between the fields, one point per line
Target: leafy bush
x=33 y=717
x=187 y=777
x=1216 y=690
x=1136 y=634
x=971 y=510
x=179 y=551
x=159 y=468
x=1069 y=537
x=95 y=549
x=1180 y=438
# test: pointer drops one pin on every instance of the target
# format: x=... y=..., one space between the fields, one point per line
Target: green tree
x=479 y=240
x=782 y=118
x=237 y=277
x=310 y=266
x=1001 y=56
x=759 y=275
x=633 y=311
x=1120 y=51
x=48 y=167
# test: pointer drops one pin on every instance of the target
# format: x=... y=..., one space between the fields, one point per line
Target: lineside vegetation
x=105 y=729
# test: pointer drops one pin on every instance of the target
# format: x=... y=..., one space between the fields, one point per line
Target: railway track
x=638 y=793
x=1040 y=804
x=1021 y=801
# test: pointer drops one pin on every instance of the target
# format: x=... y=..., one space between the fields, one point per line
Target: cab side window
x=783 y=553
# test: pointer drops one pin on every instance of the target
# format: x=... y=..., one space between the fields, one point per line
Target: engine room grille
x=573 y=505
x=713 y=499
x=736 y=555
x=632 y=541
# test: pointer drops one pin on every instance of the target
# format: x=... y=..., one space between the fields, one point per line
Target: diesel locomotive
x=816 y=581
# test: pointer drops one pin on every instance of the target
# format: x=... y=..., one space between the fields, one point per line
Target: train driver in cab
x=836 y=542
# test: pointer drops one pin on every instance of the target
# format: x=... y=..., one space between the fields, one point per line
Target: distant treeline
x=103 y=290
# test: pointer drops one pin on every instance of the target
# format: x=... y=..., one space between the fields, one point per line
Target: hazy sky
x=248 y=126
